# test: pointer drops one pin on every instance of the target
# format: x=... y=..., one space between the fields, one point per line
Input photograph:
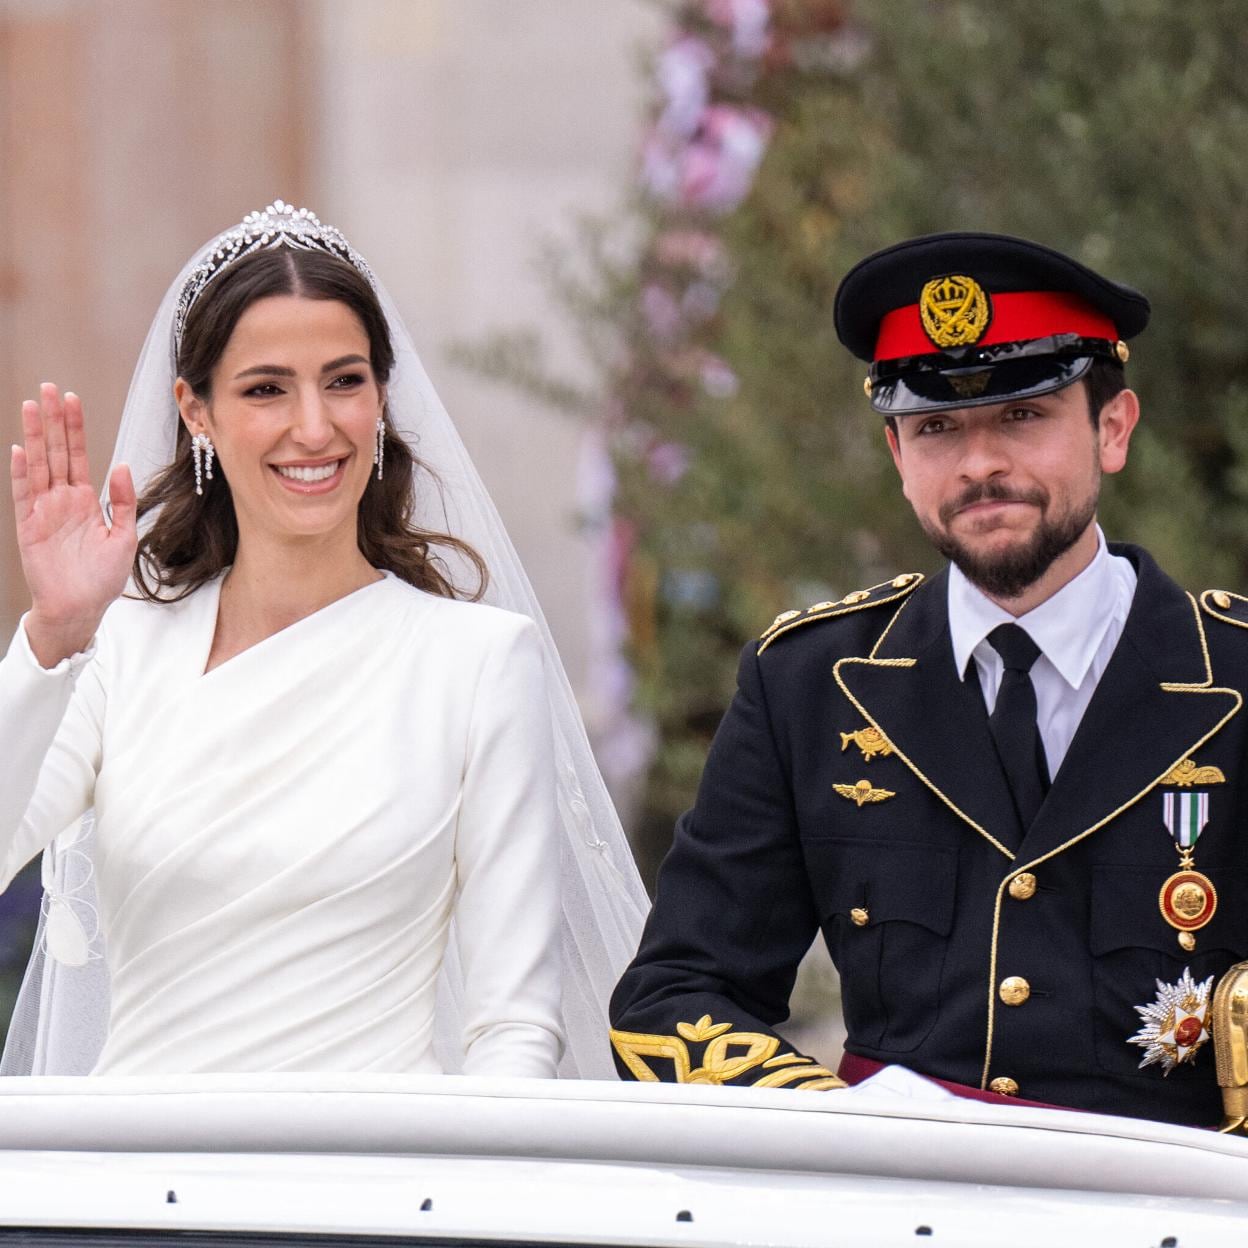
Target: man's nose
x=984 y=454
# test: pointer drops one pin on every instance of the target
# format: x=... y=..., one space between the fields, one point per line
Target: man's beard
x=1010 y=573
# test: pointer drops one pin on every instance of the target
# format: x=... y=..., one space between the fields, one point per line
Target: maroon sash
x=854 y=1069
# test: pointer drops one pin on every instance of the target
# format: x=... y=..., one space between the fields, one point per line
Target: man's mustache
x=991 y=492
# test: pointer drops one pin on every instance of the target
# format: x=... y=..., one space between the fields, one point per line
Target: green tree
x=752 y=473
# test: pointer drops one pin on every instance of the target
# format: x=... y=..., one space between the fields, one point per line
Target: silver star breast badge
x=1175 y=1024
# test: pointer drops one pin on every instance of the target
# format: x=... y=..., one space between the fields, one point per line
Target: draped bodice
x=281 y=843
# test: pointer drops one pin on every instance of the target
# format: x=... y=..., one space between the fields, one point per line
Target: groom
x=1009 y=796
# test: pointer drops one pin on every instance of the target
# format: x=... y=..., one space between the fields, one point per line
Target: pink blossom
x=718 y=167
x=747 y=20
x=668 y=462
x=695 y=249
x=661 y=311
x=683 y=71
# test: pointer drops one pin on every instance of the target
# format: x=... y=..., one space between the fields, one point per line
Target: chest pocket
x=1133 y=947
x=886 y=909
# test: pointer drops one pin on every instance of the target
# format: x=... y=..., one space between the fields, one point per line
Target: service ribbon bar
x=1186 y=815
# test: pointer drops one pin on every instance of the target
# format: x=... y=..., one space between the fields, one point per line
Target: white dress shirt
x=1076 y=630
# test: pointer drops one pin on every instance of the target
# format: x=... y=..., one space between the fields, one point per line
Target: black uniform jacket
x=901 y=845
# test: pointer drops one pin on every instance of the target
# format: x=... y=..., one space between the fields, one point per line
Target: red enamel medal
x=1188 y=898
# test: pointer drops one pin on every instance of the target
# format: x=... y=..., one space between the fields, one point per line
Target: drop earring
x=202 y=452
x=379 y=454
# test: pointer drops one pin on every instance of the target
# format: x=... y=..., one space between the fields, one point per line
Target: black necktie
x=1013 y=721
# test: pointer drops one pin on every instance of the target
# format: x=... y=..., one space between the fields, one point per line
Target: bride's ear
x=190 y=407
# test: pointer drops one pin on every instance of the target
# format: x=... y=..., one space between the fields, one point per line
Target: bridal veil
x=61 y=1016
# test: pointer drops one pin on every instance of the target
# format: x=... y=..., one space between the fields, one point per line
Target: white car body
x=114 y=1160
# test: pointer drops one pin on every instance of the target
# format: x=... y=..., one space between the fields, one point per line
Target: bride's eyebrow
x=342 y=361
x=280 y=370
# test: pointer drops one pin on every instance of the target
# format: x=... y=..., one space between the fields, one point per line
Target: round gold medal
x=1188 y=900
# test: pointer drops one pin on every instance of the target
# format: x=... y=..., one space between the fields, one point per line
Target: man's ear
x=894 y=449
x=1118 y=420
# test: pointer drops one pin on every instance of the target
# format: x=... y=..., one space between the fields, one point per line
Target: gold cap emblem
x=954 y=310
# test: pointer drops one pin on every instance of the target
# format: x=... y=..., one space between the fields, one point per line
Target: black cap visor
x=976 y=376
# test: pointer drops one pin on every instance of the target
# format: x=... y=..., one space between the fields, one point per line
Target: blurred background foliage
x=751 y=476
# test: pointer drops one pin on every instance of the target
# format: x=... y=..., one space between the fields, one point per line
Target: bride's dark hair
x=194 y=537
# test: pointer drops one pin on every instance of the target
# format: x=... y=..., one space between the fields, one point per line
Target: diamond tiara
x=279 y=225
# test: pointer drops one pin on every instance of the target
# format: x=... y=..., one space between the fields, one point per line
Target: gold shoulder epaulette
x=858 y=600
x=1225 y=606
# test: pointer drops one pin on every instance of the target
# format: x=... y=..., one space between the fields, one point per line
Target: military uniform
x=853 y=787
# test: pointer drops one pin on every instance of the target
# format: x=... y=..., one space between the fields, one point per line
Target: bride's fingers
x=54 y=434
x=20 y=482
x=122 y=501
x=76 y=441
x=36 y=453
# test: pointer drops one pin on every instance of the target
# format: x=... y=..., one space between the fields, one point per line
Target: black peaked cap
x=894 y=277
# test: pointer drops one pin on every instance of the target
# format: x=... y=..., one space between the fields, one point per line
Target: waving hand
x=74 y=564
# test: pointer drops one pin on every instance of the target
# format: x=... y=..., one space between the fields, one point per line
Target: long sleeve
x=733 y=916
x=507 y=858
x=50 y=734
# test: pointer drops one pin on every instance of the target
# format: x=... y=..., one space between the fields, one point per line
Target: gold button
x=900 y=582
x=859 y=917
x=866 y=386
x=1003 y=1085
x=1014 y=990
x=1023 y=886
x=1221 y=599
x=857 y=596
x=1122 y=351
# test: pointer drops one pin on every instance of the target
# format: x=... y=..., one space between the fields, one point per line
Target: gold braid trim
x=722 y=1061
x=1219 y=603
x=859 y=600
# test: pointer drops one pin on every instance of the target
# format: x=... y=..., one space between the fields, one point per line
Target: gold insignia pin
x=954 y=310
x=862 y=792
x=783 y=618
x=871 y=741
x=1186 y=774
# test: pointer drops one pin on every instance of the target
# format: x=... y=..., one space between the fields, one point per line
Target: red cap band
x=1017 y=316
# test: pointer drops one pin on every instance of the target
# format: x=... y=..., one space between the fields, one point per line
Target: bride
x=305 y=804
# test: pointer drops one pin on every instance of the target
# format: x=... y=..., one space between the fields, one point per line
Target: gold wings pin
x=870 y=741
x=1186 y=774
x=863 y=792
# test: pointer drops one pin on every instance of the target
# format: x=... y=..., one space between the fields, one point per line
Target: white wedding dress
x=280 y=843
